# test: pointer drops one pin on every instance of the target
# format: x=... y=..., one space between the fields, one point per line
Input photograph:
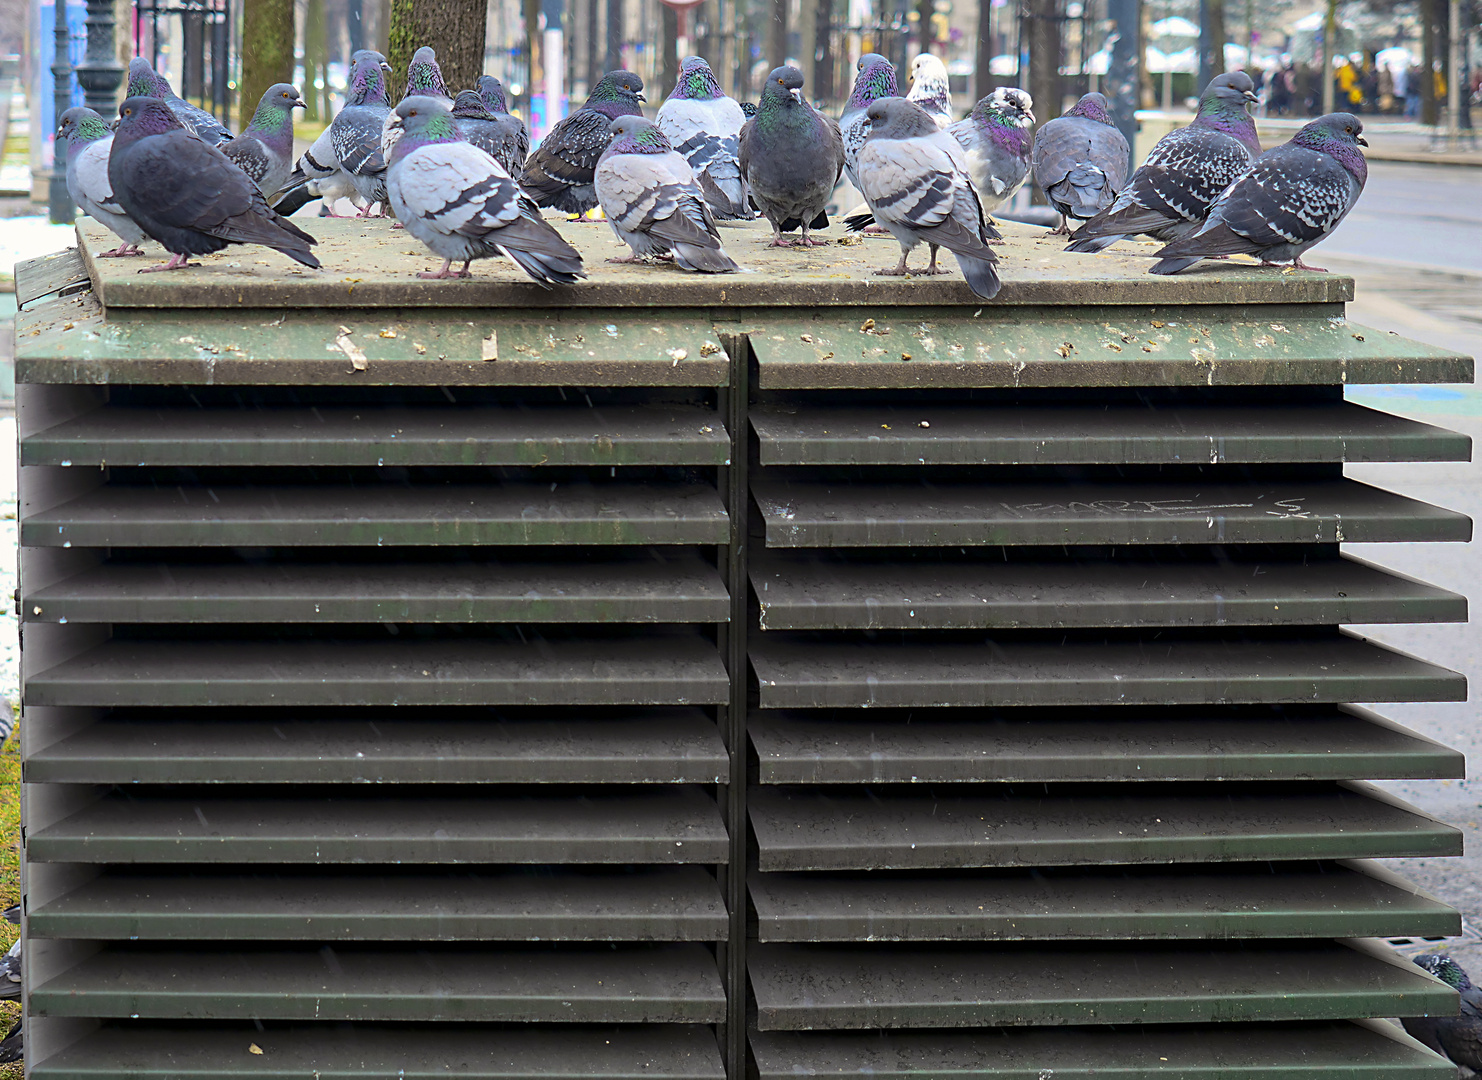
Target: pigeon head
x=142 y=116
x=617 y=94
x=1092 y=107
x=1222 y=107
x=468 y=105
x=80 y=126
x=897 y=118
x=368 y=71
x=144 y=81
x=928 y=72
x=422 y=121
x=635 y=135
x=274 y=115
x=1446 y=969
x=491 y=92
x=1007 y=106
x=424 y=77
x=696 y=81
x=784 y=89
x=876 y=79
x=1339 y=135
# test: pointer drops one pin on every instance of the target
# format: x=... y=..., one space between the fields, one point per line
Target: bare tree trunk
x=1211 y=40
x=1329 y=50
x=594 y=46
x=614 y=56
x=777 y=34
x=1430 y=108
x=669 y=69
x=983 y=84
x=455 y=28
x=316 y=66
x=823 y=71
x=1044 y=58
x=267 y=51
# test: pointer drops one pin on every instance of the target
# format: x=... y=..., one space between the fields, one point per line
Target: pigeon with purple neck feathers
x=1457 y=1038
x=875 y=80
x=996 y=137
x=1080 y=161
x=559 y=173
x=1170 y=195
x=501 y=136
x=264 y=149
x=144 y=81
x=461 y=203
x=1290 y=198
x=929 y=88
x=704 y=125
x=88 y=145
x=188 y=195
x=319 y=172
x=649 y=194
x=792 y=157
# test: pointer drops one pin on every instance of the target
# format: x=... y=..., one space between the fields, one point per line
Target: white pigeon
x=703 y=125
x=929 y=88
x=89 y=143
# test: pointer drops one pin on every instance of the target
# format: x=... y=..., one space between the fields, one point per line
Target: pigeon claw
x=177 y=262
x=123 y=251
x=446 y=272
x=1300 y=265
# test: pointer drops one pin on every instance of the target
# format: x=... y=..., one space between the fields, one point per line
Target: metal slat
x=803 y=987
x=1151 y=744
x=680 y=903
x=822 y=593
x=674 y=984
x=654 y=747
x=35 y=278
x=1017 y=434
x=865 y=830
x=344 y=1052
x=653 y=670
x=1264 y=901
x=663 y=825
x=382 y=515
x=810 y=674
x=658 y=589
x=802 y=514
x=370 y=435
x=1341 y=1050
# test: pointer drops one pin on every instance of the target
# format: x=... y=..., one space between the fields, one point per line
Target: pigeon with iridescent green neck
x=144 y=81
x=1170 y=195
x=1458 y=1038
x=264 y=149
x=875 y=80
x=424 y=79
x=996 y=136
x=1081 y=161
x=792 y=157
x=704 y=125
x=516 y=147
x=320 y=171
x=88 y=144
x=560 y=171
x=498 y=136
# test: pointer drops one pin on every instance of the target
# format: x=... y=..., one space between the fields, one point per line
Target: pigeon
x=319 y=172
x=748 y=108
x=424 y=79
x=651 y=198
x=1080 y=161
x=499 y=136
x=929 y=88
x=10 y=972
x=1458 y=1038
x=875 y=80
x=914 y=176
x=13 y=913
x=791 y=157
x=703 y=124
x=1291 y=197
x=1170 y=195
x=996 y=137
x=460 y=202
x=516 y=148
x=88 y=144
x=14 y=1046
x=357 y=133
x=559 y=173
x=187 y=194
x=144 y=81
x=264 y=149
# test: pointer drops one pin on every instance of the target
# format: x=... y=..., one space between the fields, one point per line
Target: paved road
x=1428 y=214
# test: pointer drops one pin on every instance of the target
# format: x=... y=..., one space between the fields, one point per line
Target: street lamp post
x=100 y=73
x=59 y=202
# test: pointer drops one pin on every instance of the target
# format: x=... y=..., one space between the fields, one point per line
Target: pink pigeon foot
x=177 y=262
x=1300 y=265
x=445 y=272
x=123 y=251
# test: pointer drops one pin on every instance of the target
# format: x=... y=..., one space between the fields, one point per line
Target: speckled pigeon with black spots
x=559 y=173
x=875 y=80
x=1458 y=1038
x=264 y=150
x=145 y=81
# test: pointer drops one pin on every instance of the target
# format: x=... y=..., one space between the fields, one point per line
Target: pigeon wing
x=570 y=152
x=458 y=190
x=355 y=136
x=907 y=182
x=249 y=155
x=92 y=176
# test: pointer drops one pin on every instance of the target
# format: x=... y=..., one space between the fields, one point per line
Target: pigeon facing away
x=914 y=178
x=1458 y=1038
x=929 y=89
x=461 y=203
x=187 y=194
x=1080 y=161
x=88 y=144
x=1170 y=195
x=996 y=138
x=144 y=81
x=514 y=152
x=792 y=157
x=649 y=194
x=319 y=172
x=496 y=135
x=704 y=125
x=559 y=173
x=875 y=80
x=1291 y=197
x=264 y=150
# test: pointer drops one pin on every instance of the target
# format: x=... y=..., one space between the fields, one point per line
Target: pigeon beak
x=640 y=97
x=299 y=103
x=1250 y=96
x=1362 y=141
x=797 y=93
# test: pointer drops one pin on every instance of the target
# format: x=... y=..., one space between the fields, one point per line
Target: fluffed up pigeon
x=320 y=172
x=704 y=125
x=461 y=203
x=649 y=194
x=88 y=144
x=914 y=178
x=1458 y=1038
x=559 y=173
x=875 y=80
x=1290 y=198
x=996 y=137
x=186 y=194
x=10 y=972
x=264 y=149
x=1080 y=161
x=792 y=157
x=144 y=81
x=1169 y=196
x=929 y=89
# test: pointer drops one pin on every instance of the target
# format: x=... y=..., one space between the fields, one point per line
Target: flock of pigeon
x=458 y=174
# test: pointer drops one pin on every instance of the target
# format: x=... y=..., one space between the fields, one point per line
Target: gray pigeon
x=559 y=173
x=929 y=89
x=1457 y=1038
x=186 y=194
x=10 y=972
x=144 y=81
x=461 y=203
x=996 y=137
x=1080 y=161
x=1290 y=198
x=914 y=177
x=1170 y=195
x=792 y=157
x=264 y=150
x=649 y=194
x=88 y=144
x=704 y=125
x=496 y=135
x=357 y=132
x=424 y=79
x=875 y=80
x=13 y=1048
x=319 y=173
x=517 y=147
